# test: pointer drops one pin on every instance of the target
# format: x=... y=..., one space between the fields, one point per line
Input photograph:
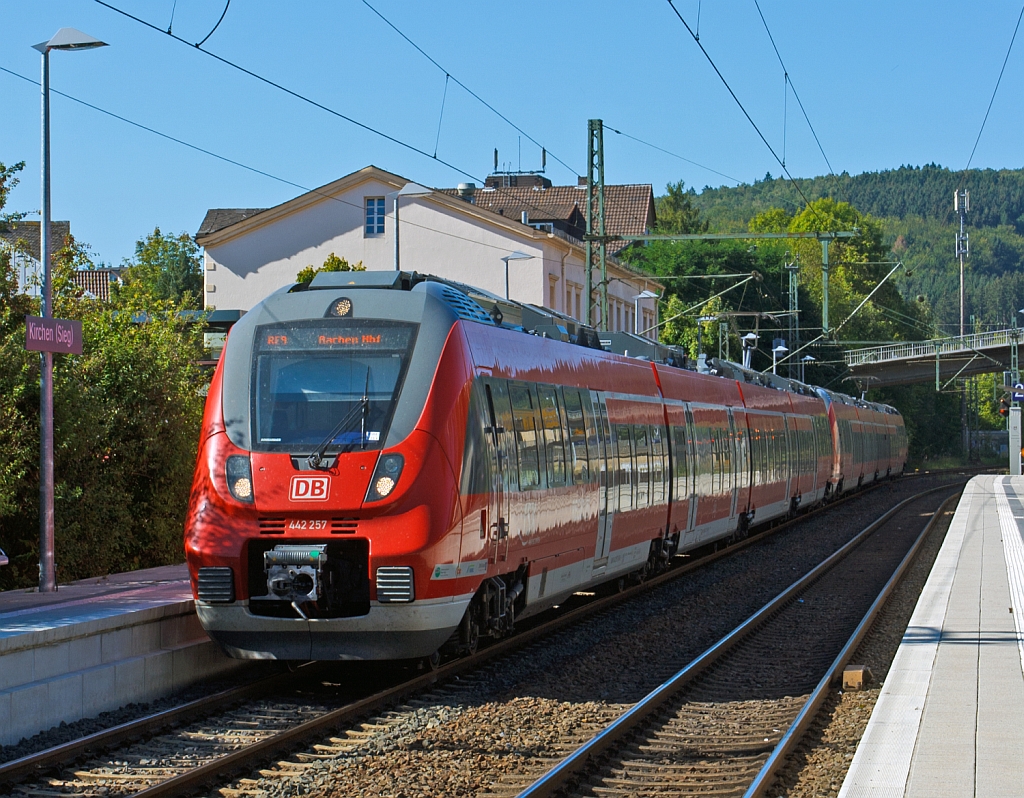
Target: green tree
x=126 y=425
x=165 y=267
x=676 y=212
x=8 y=180
x=332 y=264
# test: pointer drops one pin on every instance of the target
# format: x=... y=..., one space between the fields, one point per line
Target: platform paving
x=949 y=720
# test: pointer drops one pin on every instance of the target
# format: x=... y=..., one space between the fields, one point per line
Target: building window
x=374 y=216
x=552 y=284
x=579 y=315
x=568 y=301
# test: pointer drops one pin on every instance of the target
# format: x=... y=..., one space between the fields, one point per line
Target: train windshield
x=312 y=378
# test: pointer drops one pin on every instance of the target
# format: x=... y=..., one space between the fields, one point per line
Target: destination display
x=334 y=337
x=53 y=335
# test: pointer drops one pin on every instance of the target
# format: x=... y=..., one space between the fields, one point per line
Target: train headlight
x=239 y=476
x=385 y=477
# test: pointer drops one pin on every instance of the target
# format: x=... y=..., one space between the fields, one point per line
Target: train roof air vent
x=463 y=306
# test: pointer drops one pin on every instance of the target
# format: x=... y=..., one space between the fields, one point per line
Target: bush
x=127 y=414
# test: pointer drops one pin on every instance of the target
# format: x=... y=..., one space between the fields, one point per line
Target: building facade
x=479 y=236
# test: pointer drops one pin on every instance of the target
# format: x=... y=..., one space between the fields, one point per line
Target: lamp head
x=69 y=39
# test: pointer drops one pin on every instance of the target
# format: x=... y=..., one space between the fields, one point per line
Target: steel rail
x=802 y=722
x=17 y=770
x=585 y=757
x=30 y=764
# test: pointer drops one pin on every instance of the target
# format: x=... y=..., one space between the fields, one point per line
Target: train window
x=576 y=436
x=726 y=460
x=523 y=406
x=551 y=421
x=680 y=464
x=308 y=376
x=657 y=466
x=643 y=466
x=624 y=478
x=478 y=451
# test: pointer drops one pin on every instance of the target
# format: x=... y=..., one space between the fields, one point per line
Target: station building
x=463 y=234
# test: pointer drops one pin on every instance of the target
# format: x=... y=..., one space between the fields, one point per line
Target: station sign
x=63 y=336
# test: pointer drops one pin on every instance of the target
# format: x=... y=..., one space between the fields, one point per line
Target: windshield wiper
x=363 y=408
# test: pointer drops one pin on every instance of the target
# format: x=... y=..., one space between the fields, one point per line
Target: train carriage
x=391 y=465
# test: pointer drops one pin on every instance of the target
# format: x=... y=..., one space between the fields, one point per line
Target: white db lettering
x=309 y=489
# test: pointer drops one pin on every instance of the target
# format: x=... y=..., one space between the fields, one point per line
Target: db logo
x=309 y=489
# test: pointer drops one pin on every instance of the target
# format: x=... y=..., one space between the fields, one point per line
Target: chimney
x=467 y=191
x=526 y=217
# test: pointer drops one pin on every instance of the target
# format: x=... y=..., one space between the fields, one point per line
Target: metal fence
x=940 y=346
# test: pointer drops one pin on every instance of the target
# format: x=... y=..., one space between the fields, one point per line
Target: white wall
x=435 y=239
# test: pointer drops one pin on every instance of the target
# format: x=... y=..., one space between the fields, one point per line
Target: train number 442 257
x=307 y=523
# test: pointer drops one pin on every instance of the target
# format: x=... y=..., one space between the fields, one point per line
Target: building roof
x=219 y=218
x=96 y=282
x=25 y=235
x=629 y=209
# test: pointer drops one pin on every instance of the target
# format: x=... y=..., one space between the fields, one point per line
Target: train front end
x=323 y=495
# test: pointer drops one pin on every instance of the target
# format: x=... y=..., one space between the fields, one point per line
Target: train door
x=732 y=442
x=504 y=472
x=606 y=499
x=695 y=493
x=791 y=457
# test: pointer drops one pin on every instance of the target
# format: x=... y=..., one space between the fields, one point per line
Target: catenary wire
x=208 y=35
x=310 y=101
x=1002 y=69
x=789 y=80
x=750 y=119
x=466 y=88
x=253 y=169
x=669 y=152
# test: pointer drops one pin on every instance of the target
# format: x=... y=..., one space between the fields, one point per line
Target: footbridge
x=941 y=360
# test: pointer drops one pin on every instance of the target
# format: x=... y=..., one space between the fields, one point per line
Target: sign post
x=1014 y=441
x=48 y=335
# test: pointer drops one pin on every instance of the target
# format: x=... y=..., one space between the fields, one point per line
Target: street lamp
x=803 y=362
x=64 y=39
x=408 y=190
x=517 y=255
x=749 y=342
x=645 y=294
x=778 y=352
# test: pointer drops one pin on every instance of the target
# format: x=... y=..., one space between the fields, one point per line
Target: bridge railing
x=940 y=346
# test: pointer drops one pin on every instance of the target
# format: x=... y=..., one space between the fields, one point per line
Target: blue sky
x=884 y=84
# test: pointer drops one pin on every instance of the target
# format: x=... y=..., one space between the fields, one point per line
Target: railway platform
x=96 y=645
x=948 y=720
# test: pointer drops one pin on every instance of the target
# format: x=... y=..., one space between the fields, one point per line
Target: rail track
x=227 y=742
x=726 y=722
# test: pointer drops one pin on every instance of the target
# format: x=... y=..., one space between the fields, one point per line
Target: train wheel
x=431 y=662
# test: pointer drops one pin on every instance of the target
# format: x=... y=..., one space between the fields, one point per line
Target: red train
x=392 y=465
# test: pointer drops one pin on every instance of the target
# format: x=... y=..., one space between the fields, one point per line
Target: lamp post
x=64 y=39
x=408 y=190
x=749 y=342
x=645 y=294
x=803 y=362
x=778 y=352
x=517 y=255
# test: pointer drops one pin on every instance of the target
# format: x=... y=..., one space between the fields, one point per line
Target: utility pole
x=596 y=221
x=962 y=204
x=793 y=267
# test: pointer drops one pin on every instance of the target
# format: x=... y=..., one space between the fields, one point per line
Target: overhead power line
x=674 y=155
x=241 y=165
x=750 y=119
x=1002 y=69
x=292 y=92
x=310 y=101
x=466 y=88
x=789 y=81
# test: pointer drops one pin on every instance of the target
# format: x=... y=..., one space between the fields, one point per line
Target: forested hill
x=997 y=196
x=915 y=206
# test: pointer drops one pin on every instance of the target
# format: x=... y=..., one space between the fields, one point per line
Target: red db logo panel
x=309 y=489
